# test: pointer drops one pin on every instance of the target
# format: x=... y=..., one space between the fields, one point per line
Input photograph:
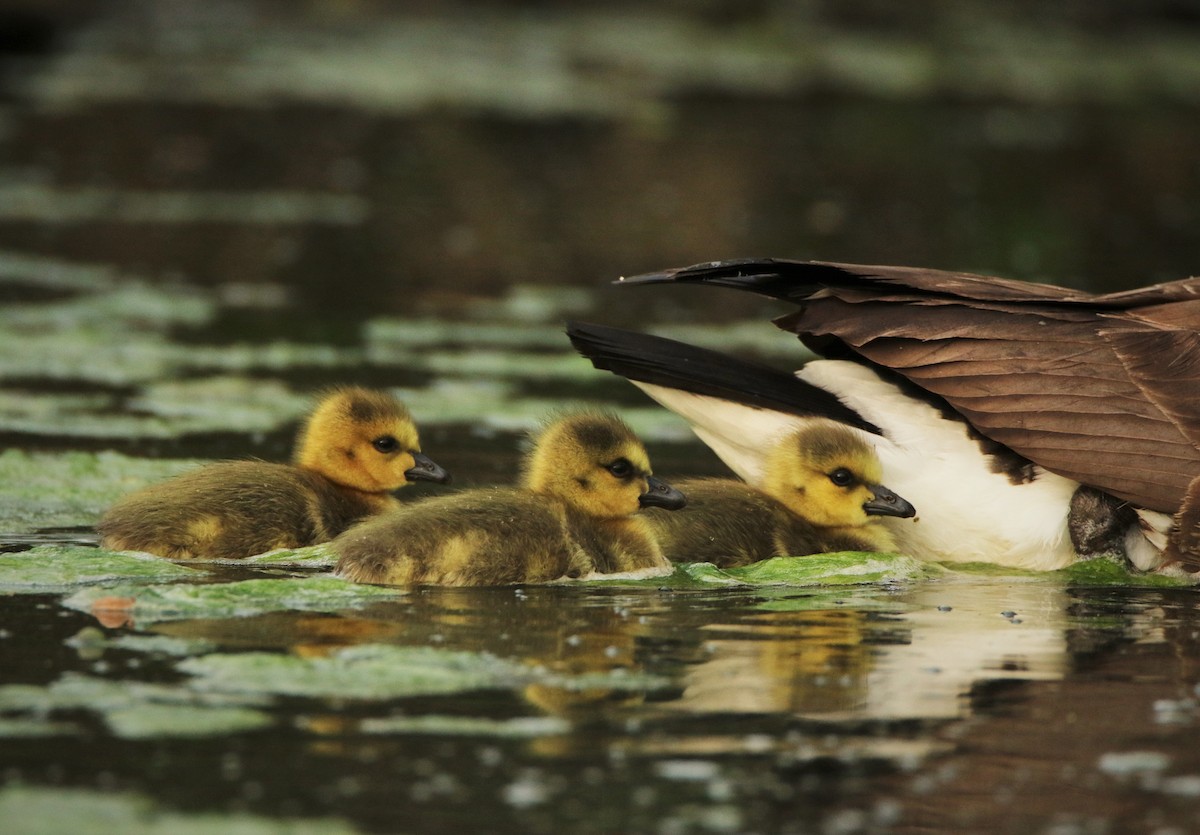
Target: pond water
x=195 y=234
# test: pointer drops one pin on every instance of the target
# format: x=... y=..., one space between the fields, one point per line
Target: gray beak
x=424 y=469
x=660 y=494
x=887 y=503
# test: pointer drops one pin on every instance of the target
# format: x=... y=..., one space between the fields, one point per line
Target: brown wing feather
x=1053 y=385
x=1104 y=389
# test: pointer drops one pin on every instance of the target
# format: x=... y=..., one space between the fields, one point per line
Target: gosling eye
x=385 y=444
x=842 y=477
x=621 y=468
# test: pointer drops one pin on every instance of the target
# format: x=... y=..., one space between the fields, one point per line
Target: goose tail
x=668 y=364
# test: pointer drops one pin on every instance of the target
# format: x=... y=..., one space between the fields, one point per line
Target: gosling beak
x=660 y=494
x=887 y=503
x=424 y=469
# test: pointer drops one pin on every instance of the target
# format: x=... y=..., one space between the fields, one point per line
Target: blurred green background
x=331 y=158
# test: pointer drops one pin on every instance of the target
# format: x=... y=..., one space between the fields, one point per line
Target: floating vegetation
x=131 y=709
x=70 y=489
x=522 y=727
x=151 y=721
x=314 y=556
x=34 y=727
x=142 y=605
x=75 y=691
x=228 y=403
x=837 y=569
x=91 y=642
x=48 y=272
x=43 y=204
x=378 y=671
x=362 y=672
x=860 y=567
x=36 y=810
x=1109 y=572
x=846 y=568
x=51 y=568
x=747 y=335
x=390 y=339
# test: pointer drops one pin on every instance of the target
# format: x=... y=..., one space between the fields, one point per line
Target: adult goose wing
x=1103 y=389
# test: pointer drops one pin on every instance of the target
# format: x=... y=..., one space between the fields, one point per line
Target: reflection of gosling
x=573 y=513
x=353 y=450
x=820 y=494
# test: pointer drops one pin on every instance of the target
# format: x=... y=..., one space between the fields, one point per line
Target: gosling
x=573 y=513
x=821 y=493
x=352 y=451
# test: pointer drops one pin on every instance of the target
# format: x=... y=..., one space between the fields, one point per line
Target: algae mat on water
x=152 y=604
x=378 y=671
x=32 y=810
x=850 y=568
x=56 y=568
x=131 y=709
x=64 y=489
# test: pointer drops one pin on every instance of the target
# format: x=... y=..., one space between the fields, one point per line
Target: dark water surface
x=207 y=213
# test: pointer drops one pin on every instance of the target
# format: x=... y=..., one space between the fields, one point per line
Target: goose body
x=976 y=503
x=574 y=513
x=820 y=494
x=1101 y=389
x=352 y=451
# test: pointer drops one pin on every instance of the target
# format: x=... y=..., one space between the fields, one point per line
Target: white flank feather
x=965 y=512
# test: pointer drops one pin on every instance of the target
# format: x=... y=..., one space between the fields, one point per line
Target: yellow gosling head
x=830 y=476
x=596 y=464
x=365 y=440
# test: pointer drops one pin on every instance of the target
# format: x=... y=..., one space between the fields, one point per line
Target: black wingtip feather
x=771 y=277
x=665 y=362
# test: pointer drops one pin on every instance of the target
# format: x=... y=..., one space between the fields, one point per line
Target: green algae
x=744 y=335
x=846 y=568
x=90 y=337
x=379 y=671
x=132 y=709
x=55 y=273
x=34 y=727
x=51 y=568
x=834 y=569
x=507 y=363
x=1108 y=572
x=497 y=405
x=36 y=810
x=213 y=403
x=228 y=403
x=91 y=642
x=71 y=489
x=228 y=600
x=76 y=691
x=866 y=568
x=151 y=721
x=390 y=339
x=361 y=672
x=1099 y=571
x=313 y=556
x=523 y=727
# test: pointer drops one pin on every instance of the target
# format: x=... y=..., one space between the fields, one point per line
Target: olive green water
x=207 y=213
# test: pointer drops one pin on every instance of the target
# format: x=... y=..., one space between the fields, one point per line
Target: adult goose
x=1084 y=404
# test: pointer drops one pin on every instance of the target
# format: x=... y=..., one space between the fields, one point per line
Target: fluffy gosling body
x=355 y=447
x=821 y=493
x=574 y=512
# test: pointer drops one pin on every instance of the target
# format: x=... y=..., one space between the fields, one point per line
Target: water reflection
x=913 y=654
